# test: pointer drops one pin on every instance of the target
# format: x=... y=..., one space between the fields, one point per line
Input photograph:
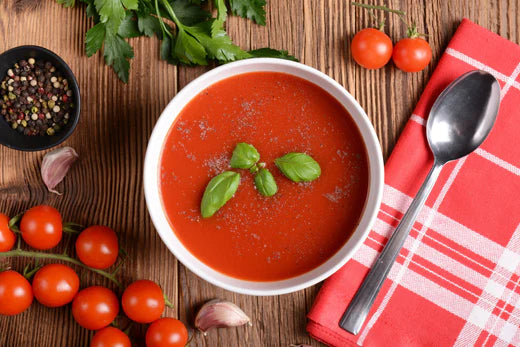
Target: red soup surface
x=254 y=237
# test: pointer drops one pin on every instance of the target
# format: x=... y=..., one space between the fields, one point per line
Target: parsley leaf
x=188 y=50
x=148 y=25
x=117 y=52
x=130 y=4
x=251 y=9
x=213 y=37
x=67 y=3
x=129 y=27
x=94 y=39
x=146 y=22
x=112 y=12
x=271 y=53
x=221 y=10
x=166 y=50
x=188 y=13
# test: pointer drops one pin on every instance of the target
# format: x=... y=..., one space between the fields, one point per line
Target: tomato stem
x=29 y=273
x=167 y=301
x=69 y=227
x=14 y=221
x=412 y=32
x=41 y=255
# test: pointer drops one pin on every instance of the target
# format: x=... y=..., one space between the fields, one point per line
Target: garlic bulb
x=55 y=165
x=220 y=314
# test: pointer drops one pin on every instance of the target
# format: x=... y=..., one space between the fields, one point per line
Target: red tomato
x=7 y=237
x=371 y=48
x=55 y=285
x=97 y=247
x=143 y=301
x=41 y=227
x=167 y=332
x=15 y=293
x=110 y=337
x=412 y=55
x=95 y=307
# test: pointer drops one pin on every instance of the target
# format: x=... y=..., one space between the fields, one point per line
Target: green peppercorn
x=14 y=125
x=57 y=127
x=24 y=123
x=51 y=103
x=12 y=96
x=50 y=131
x=34 y=109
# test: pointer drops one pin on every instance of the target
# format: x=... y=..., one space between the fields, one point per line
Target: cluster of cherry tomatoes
x=94 y=307
x=372 y=48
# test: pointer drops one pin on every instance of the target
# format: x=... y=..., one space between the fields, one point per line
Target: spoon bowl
x=463 y=115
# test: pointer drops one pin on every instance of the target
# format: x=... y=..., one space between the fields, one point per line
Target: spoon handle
x=357 y=311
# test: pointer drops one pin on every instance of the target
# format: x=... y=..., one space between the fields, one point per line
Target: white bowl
x=154 y=202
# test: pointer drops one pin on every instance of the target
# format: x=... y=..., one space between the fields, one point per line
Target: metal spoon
x=460 y=120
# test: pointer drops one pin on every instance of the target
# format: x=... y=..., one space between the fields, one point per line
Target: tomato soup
x=253 y=237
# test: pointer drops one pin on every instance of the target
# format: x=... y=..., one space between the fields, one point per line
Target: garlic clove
x=220 y=314
x=55 y=165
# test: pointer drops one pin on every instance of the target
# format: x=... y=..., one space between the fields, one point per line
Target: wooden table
x=105 y=186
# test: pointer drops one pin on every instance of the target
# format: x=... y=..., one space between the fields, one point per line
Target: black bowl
x=11 y=138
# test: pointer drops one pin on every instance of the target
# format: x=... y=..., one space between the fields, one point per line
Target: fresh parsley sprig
x=188 y=32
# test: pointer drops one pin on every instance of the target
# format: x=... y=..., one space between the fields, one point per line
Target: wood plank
x=105 y=185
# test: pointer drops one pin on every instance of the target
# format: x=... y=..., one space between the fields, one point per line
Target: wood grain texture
x=105 y=185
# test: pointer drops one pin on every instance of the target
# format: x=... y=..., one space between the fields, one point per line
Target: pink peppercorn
x=41 y=116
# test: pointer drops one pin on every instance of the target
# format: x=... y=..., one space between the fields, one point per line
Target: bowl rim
x=151 y=176
x=77 y=109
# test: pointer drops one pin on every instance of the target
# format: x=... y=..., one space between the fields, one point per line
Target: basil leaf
x=244 y=156
x=219 y=190
x=265 y=183
x=298 y=167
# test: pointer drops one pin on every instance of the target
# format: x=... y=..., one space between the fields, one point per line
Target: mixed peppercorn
x=35 y=98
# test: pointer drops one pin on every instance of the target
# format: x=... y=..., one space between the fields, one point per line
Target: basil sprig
x=244 y=156
x=295 y=166
x=265 y=183
x=298 y=167
x=219 y=190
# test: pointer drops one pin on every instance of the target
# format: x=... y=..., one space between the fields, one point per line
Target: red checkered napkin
x=457 y=280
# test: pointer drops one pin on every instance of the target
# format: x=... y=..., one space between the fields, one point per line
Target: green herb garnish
x=298 y=167
x=195 y=39
x=219 y=190
x=265 y=183
x=244 y=156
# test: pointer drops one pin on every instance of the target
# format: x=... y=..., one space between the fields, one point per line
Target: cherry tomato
x=55 y=285
x=371 y=48
x=412 y=55
x=7 y=237
x=97 y=247
x=95 y=307
x=110 y=337
x=143 y=301
x=15 y=293
x=41 y=227
x=167 y=332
